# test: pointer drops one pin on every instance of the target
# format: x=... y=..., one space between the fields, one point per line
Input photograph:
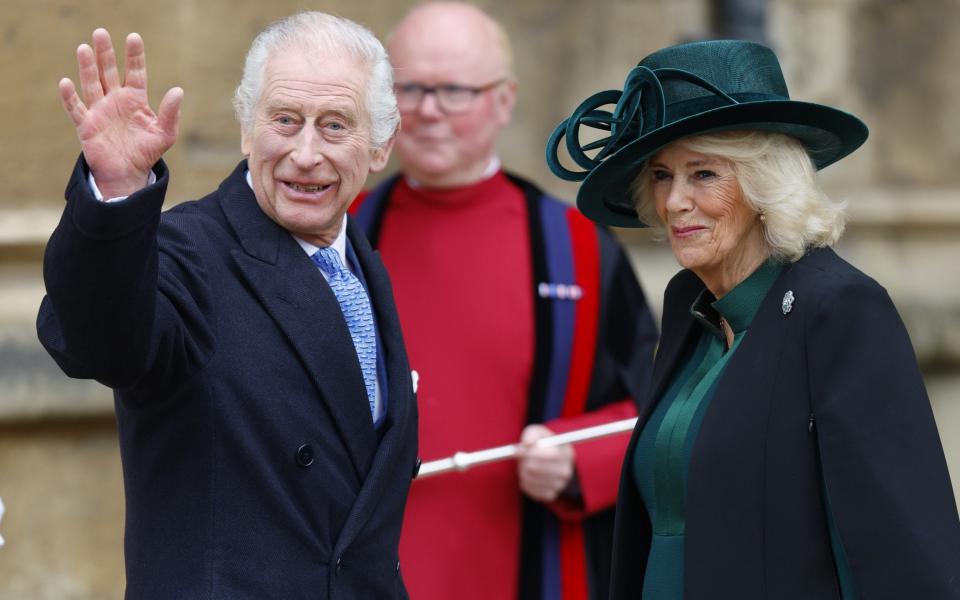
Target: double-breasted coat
x=252 y=468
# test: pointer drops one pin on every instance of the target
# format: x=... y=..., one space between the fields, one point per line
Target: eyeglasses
x=451 y=97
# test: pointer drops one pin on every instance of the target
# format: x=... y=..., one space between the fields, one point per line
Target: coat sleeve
x=122 y=306
x=621 y=373
x=883 y=465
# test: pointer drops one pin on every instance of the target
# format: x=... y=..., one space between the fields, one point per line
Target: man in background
x=523 y=320
x=265 y=408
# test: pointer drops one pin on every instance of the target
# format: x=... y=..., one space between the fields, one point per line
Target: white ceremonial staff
x=461 y=461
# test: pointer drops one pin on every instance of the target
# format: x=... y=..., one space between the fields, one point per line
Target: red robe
x=461 y=265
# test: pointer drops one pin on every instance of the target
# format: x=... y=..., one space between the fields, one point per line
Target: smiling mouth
x=310 y=189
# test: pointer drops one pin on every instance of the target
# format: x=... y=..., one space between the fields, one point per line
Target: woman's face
x=712 y=230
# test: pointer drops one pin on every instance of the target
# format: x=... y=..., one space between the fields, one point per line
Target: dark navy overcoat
x=251 y=465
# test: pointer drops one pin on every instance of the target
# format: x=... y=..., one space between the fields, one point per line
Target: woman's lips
x=686 y=231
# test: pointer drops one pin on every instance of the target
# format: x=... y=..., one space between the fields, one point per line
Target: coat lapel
x=401 y=410
x=726 y=491
x=300 y=301
x=676 y=318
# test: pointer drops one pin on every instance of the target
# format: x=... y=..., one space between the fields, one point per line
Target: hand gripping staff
x=461 y=461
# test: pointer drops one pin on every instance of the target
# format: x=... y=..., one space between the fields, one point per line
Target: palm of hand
x=121 y=137
x=121 y=133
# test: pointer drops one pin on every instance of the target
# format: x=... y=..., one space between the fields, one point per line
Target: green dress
x=662 y=454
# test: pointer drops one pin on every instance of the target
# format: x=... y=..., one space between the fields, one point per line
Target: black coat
x=251 y=465
x=827 y=392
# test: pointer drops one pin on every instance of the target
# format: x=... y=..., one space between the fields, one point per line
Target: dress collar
x=738 y=306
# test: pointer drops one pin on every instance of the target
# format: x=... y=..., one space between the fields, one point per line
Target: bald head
x=451 y=33
x=438 y=50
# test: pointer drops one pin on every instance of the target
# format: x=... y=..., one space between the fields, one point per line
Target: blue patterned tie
x=356 y=311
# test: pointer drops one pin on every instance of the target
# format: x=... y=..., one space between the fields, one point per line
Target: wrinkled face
x=309 y=148
x=440 y=149
x=711 y=228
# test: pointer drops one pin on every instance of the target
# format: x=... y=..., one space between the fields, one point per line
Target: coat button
x=305 y=455
x=339 y=564
x=416 y=468
x=398 y=567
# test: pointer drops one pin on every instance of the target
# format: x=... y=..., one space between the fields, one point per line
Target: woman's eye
x=704 y=174
x=660 y=175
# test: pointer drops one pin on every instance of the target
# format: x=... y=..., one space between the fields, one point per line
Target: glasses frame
x=439 y=92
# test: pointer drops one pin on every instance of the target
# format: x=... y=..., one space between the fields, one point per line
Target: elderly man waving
x=265 y=408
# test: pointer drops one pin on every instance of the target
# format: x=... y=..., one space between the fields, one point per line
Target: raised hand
x=120 y=135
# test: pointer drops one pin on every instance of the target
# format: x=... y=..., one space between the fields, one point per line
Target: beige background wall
x=891 y=62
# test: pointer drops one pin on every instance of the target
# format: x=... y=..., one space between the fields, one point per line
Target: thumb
x=168 y=117
x=532 y=433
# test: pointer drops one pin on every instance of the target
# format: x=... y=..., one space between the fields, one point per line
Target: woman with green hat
x=787 y=448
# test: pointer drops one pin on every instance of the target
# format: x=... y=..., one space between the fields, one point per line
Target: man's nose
x=307 y=150
x=429 y=106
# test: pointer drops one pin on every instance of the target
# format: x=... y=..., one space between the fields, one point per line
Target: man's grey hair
x=314 y=30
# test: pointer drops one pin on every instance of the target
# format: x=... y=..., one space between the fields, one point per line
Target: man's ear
x=381 y=155
x=245 y=142
x=506 y=98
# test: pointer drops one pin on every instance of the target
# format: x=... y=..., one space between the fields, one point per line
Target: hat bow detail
x=642 y=95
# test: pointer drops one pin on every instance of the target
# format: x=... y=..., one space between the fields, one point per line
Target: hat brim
x=828 y=135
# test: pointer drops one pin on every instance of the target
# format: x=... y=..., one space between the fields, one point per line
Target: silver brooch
x=787 y=304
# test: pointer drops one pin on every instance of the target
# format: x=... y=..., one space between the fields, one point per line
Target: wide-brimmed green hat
x=684 y=90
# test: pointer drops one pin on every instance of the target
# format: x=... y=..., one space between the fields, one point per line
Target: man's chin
x=426 y=160
x=428 y=170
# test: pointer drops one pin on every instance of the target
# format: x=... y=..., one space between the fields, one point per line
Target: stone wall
x=889 y=61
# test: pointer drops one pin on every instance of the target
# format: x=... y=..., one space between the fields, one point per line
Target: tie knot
x=328 y=259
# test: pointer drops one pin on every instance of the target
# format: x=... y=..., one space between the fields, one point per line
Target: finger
x=106 y=60
x=89 y=75
x=545 y=455
x=529 y=435
x=539 y=492
x=532 y=433
x=71 y=101
x=168 y=117
x=136 y=75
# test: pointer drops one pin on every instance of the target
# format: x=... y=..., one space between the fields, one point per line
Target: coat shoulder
x=824 y=267
x=835 y=285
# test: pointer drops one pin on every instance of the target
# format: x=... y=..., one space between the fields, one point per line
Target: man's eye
x=455 y=93
x=285 y=120
x=335 y=126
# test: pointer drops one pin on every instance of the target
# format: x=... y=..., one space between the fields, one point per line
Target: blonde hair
x=778 y=181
